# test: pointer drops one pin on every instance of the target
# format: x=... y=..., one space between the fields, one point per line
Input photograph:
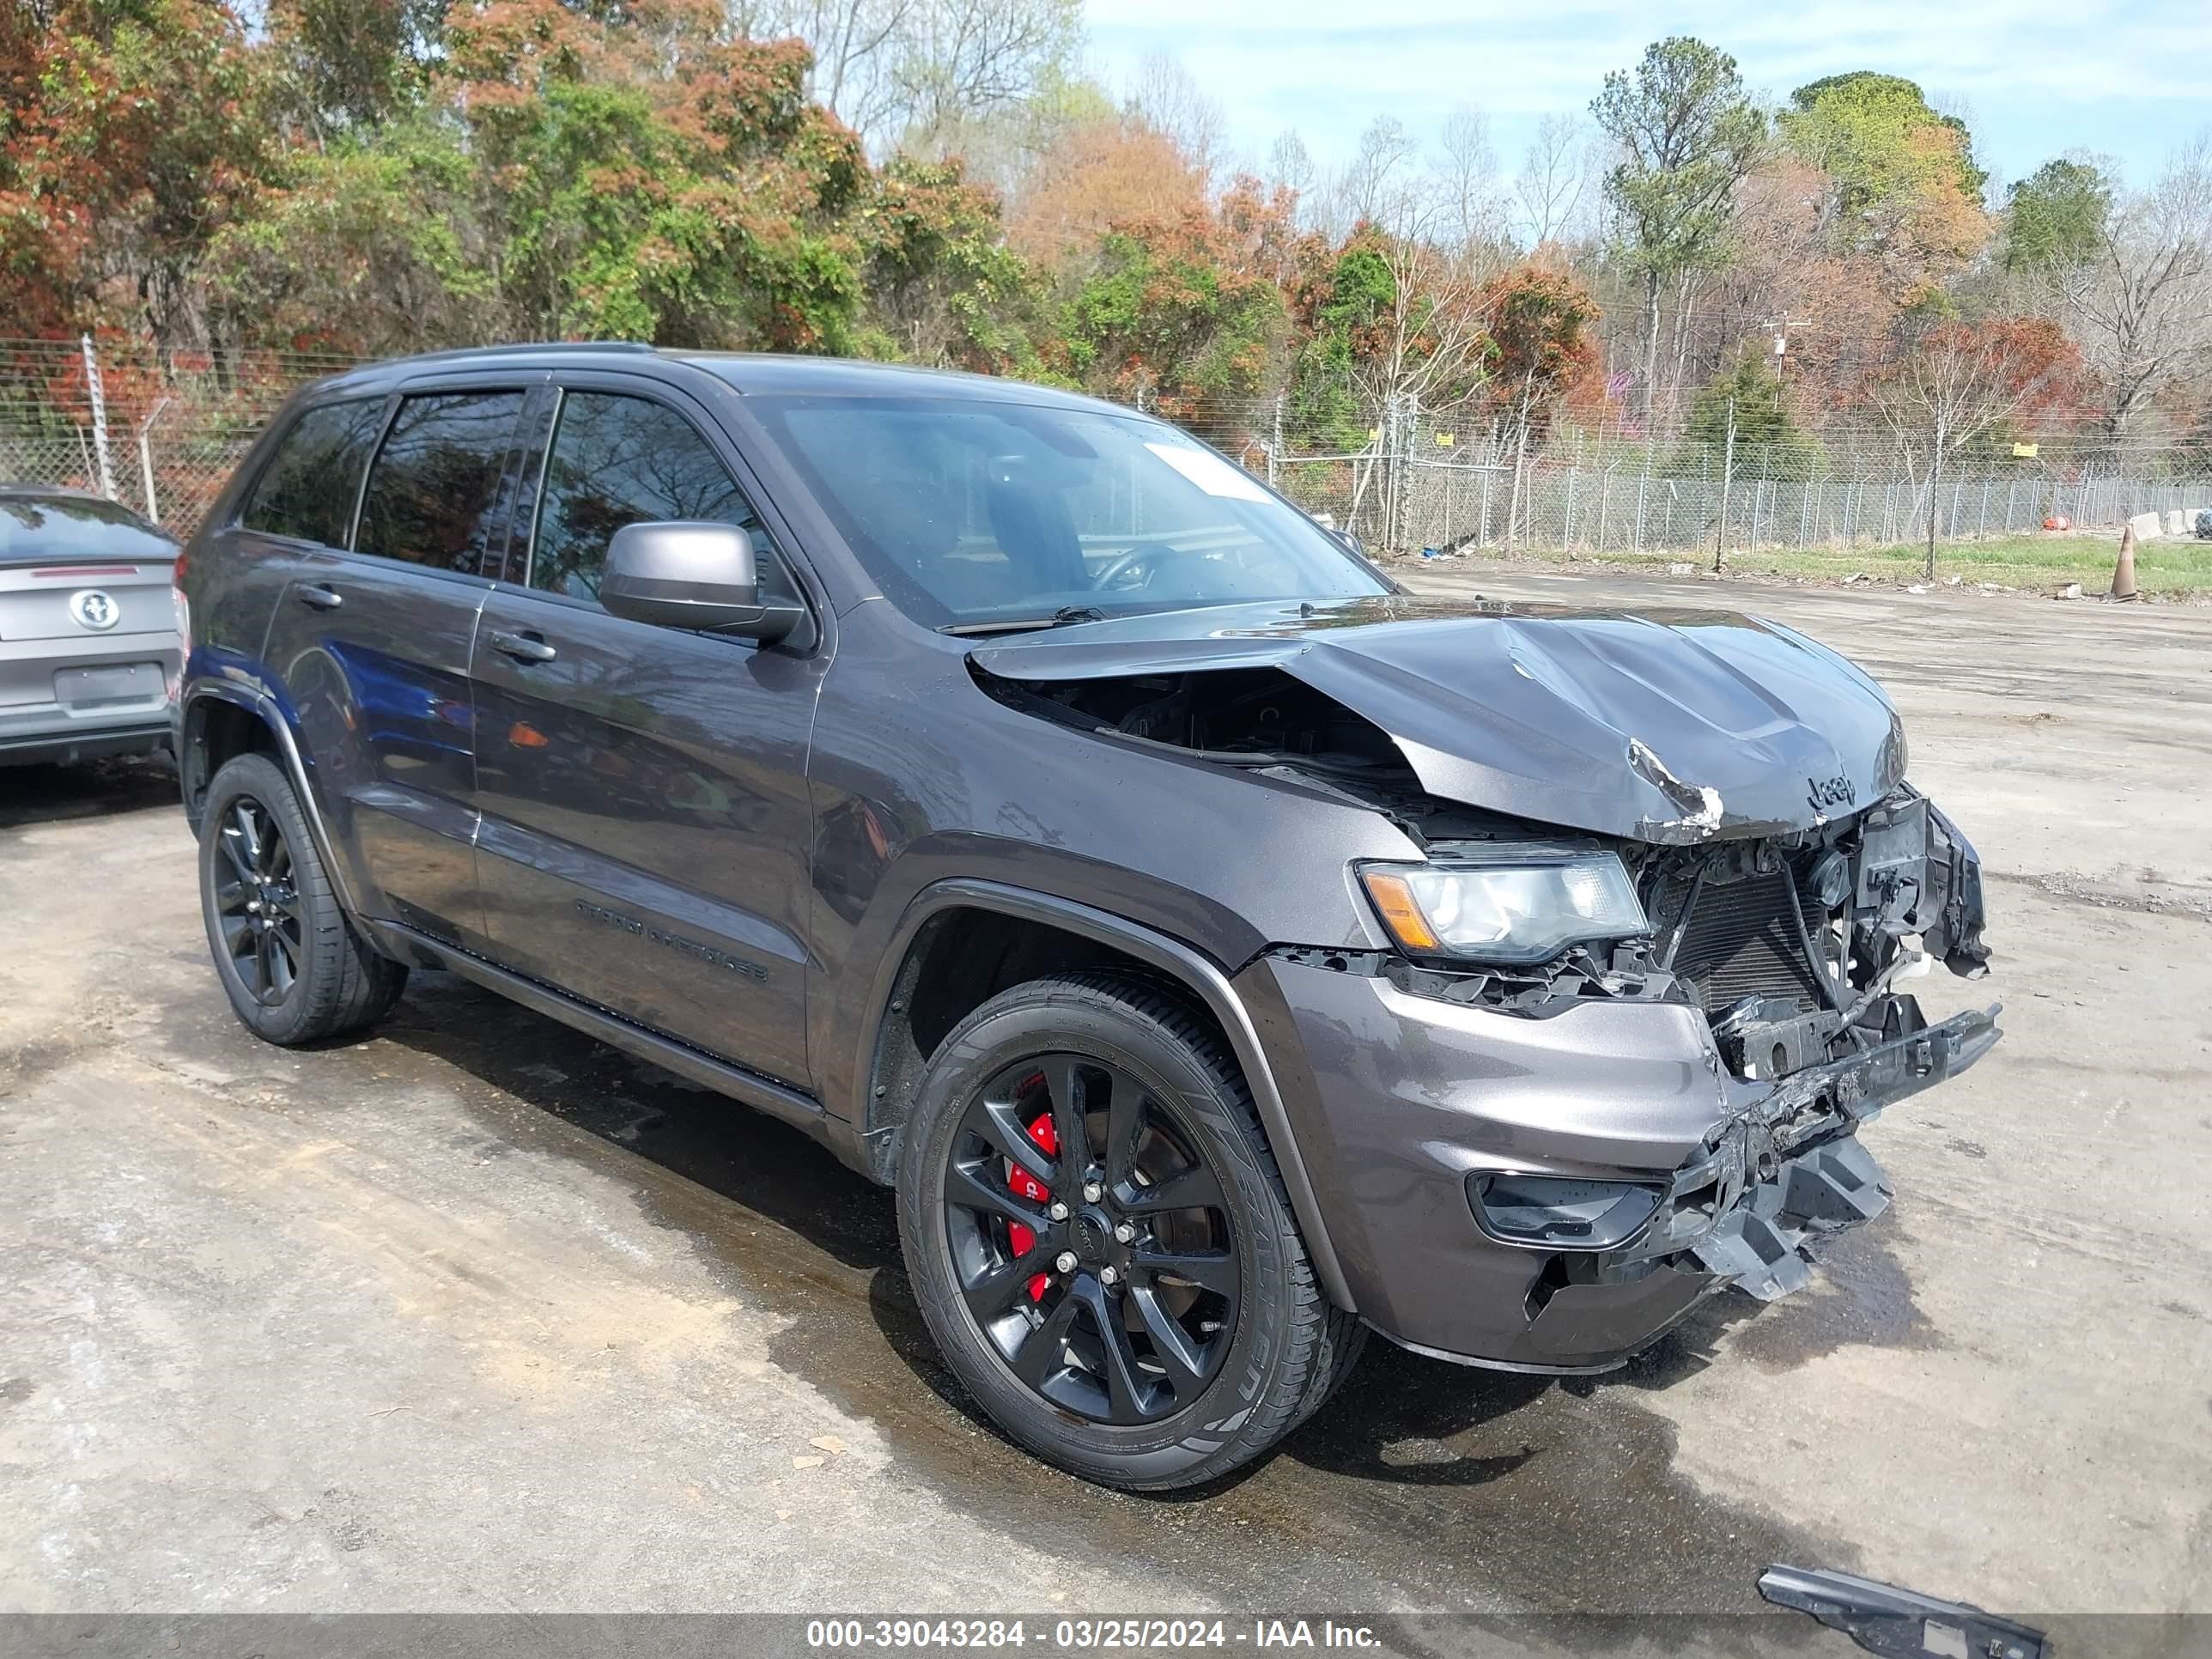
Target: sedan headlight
x=1524 y=906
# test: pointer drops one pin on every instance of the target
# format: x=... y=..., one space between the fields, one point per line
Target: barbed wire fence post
x=98 y=416
x=146 y=461
x=1728 y=470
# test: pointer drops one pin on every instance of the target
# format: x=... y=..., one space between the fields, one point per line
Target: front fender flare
x=1201 y=977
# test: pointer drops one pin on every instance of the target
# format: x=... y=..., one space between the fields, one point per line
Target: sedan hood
x=1661 y=726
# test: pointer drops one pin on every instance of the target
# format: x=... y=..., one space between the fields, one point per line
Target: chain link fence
x=162 y=432
x=1421 y=483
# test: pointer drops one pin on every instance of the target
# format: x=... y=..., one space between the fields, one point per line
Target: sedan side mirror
x=681 y=574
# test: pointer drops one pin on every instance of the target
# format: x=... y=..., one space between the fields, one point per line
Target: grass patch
x=2177 y=567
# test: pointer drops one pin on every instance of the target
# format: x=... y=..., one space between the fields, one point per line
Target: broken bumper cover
x=1403 y=1105
x=1751 y=1211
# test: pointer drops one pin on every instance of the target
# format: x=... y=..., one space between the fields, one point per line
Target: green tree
x=1339 y=308
x=942 y=285
x=2056 y=216
x=1186 y=308
x=1906 y=192
x=1750 y=395
x=1878 y=135
x=348 y=64
x=1687 y=137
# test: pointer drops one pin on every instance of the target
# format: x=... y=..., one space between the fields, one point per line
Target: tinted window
x=433 y=494
x=309 y=486
x=36 y=529
x=969 y=511
x=619 y=460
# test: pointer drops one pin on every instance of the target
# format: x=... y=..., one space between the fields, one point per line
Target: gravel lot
x=479 y=1315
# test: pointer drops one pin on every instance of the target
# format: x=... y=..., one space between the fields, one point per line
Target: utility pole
x=1782 y=326
x=1728 y=470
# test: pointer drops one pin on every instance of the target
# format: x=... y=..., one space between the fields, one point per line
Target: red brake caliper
x=1020 y=1239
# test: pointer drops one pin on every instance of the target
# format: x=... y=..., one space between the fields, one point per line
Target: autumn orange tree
x=1187 y=310
x=136 y=131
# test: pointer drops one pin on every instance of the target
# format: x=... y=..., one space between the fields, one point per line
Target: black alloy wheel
x=257 y=901
x=1100 y=1240
x=293 y=965
x=1092 y=1242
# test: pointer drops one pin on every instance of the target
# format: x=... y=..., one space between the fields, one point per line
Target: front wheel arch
x=1182 y=1414
x=891 y=1061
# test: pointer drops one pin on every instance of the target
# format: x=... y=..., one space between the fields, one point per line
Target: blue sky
x=2131 y=81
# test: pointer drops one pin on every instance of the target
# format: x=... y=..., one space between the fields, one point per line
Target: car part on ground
x=1900 y=1624
x=1503 y=979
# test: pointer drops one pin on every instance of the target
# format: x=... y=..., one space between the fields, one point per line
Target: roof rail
x=528 y=348
x=519 y=347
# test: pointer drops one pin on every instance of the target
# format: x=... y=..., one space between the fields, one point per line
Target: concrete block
x=2148 y=526
x=2176 y=522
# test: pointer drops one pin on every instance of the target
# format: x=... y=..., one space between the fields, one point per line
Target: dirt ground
x=479 y=1315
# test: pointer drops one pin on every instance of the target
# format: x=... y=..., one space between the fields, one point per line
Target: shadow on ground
x=51 y=794
x=1452 y=1486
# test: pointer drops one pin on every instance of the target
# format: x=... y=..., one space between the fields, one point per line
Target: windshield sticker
x=1210 y=472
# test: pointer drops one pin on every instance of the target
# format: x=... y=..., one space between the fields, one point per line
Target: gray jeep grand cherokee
x=1221 y=950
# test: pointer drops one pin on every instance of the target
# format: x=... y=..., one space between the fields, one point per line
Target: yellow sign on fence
x=1444 y=438
x=2026 y=452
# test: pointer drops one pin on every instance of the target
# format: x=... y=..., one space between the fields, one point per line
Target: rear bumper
x=51 y=729
x=79 y=740
x=1401 y=1104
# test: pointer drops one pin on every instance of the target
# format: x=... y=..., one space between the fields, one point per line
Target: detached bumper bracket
x=1900 y=1624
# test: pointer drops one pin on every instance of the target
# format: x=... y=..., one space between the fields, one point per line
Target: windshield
x=969 y=513
x=50 y=529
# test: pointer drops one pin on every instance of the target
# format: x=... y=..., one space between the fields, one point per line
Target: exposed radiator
x=1740 y=940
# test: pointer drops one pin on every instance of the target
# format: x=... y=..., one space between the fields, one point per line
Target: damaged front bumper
x=1750 y=1208
x=1405 y=1105
x=1792 y=1169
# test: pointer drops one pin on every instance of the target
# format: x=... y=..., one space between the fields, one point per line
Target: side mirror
x=1348 y=539
x=683 y=575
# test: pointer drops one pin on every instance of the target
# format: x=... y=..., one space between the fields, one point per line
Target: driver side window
x=617 y=459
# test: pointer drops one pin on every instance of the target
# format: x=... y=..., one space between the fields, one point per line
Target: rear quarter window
x=307 y=489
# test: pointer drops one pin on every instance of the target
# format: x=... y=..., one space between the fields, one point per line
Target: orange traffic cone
x=2123 y=573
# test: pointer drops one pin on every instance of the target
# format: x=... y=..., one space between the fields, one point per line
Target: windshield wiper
x=1059 y=618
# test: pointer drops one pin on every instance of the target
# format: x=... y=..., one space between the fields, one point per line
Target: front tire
x=1101 y=1243
x=294 y=968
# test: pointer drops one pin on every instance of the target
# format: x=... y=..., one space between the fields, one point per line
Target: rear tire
x=1258 y=1344
x=293 y=966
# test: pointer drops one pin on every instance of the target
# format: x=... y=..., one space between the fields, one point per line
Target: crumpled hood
x=1664 y=726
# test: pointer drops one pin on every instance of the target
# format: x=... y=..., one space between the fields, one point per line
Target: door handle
x=523 y=648
x=318 y=596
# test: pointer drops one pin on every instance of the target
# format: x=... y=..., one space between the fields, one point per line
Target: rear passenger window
x=308 y=488
x=433 y=495
x=618 y=460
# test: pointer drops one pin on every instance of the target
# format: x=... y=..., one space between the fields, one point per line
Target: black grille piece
x=1740 y=940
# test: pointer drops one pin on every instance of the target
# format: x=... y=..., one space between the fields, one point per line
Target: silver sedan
x=89 y=645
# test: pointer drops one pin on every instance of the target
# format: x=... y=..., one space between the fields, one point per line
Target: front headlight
x=1524 y=906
